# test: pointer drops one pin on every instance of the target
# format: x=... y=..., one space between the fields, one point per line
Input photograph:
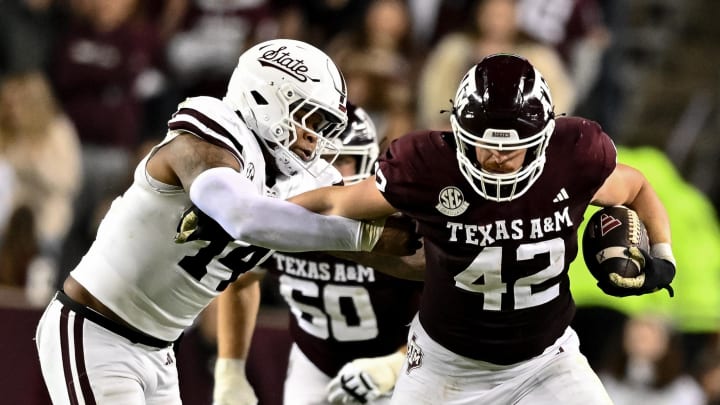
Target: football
x=608 y=235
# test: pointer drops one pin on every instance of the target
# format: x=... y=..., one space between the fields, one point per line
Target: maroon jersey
x=496 y=284
x=343 y=310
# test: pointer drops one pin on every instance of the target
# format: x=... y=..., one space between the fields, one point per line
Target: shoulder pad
x=213 y=120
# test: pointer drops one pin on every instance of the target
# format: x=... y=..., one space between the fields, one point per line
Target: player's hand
x=364 y=380
x=399 y=237
x=657 y=273
x=231 y=384
x=195 y=225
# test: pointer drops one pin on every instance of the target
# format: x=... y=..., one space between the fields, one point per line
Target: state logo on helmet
x=283 y=83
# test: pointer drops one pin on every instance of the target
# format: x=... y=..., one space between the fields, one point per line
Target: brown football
x=608 y=235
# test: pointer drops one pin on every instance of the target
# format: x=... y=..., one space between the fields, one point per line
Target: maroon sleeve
x=595 y=153
x=413 y=165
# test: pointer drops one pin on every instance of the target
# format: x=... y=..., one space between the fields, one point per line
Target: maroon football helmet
x=502 y=103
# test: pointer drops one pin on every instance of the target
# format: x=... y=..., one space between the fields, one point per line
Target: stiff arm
x=361 y=200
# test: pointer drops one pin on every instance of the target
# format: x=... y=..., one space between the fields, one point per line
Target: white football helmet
x=502 y=103
x=359 y=140
x=281 y=83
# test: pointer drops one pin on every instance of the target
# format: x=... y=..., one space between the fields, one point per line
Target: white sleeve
x=230 y=199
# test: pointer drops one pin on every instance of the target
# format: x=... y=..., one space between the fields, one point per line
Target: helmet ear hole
x=259 y=99
x=288 y=92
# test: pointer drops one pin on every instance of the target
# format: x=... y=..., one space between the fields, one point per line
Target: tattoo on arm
x=192 y=156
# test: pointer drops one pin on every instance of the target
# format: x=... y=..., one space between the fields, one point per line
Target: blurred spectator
x=102 y=70
x=27 y=31
x=708 y=374
x=167 y=15
x=696 y=246
x=576 y=29
x=647 y=367
x=605 y=99
x=376 y=60
x=433 y=19
x=41 y=145
x=160 y=93
x=26 y=277
x=291 y=24
x=97 y=70
x=204 y=51
x=7 y=192
x=18 y=251
x=493 y=30
x=322 y=20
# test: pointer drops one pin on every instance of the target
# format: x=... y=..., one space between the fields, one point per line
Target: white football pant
x=560 y=375
x=84 y=363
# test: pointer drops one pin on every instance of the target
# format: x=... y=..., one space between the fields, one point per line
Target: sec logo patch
x=451 y=202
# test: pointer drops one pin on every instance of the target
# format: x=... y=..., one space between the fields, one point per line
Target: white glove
x=231 y=384
x=364 y=380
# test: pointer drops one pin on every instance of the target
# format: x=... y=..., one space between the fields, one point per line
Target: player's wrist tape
x=230 y=368
x=383 y=370
x=663 y=251
x=369 y=233
x=231 y=383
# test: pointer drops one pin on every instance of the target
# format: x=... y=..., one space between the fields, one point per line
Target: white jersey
x=135 y=268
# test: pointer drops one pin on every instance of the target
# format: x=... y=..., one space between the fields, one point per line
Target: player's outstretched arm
x=361 y=200
x=212 y=179
x=237 y=313
x=404 y=267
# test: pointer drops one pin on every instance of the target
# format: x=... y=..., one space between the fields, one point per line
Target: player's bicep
x=181 y=160
x=621 y=187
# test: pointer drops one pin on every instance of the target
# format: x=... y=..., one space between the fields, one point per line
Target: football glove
x=396 y=236
x=364 y=380
x=196 y=225
x=231 y=384
x=657 y=273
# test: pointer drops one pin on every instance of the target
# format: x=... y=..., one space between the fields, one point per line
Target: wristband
x=230 y=367
x=663 y=251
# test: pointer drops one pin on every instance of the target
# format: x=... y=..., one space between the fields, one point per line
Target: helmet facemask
x=308 y=115
x=501 y=186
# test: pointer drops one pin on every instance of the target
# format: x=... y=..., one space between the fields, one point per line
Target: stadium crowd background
x=87 y=85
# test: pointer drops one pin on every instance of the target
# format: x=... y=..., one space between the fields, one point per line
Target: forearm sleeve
x=233 y=202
